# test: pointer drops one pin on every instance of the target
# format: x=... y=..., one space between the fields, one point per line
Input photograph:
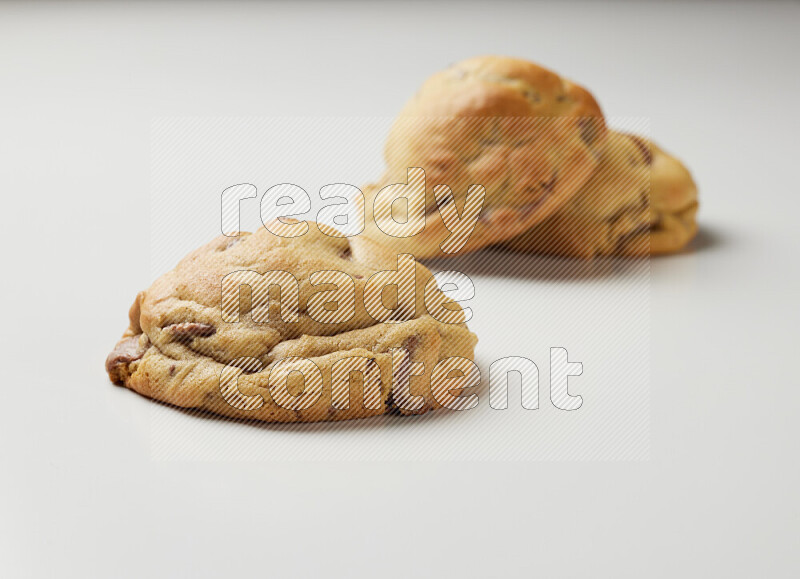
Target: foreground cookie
x=530 y=137
x=639 y=201
x=189 y=346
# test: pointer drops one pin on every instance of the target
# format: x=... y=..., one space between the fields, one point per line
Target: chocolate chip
x=438 y=207
x=657 y=225
x=190 y=330
x=125 y=352
x=392 y=408
x=411 y=344
x=532 y=96
x=614 y=218
x=172 y=370
x=549 y=186
x=403 y=372
x=442 y=166
x=643 y=148
x=347 y=253
x=537 y=194
x=589 y=129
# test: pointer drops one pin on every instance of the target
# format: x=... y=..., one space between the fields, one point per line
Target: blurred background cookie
x=640 y=200
x=555 y=179
x=529 y=136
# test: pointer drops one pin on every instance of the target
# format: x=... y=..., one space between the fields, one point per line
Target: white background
x=80 y=493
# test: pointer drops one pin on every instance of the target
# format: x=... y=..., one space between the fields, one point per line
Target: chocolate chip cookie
x=528 y=136
x=228 y=331
x=639 y=201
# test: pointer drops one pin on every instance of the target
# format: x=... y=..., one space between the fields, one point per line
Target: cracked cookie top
x=283 y=302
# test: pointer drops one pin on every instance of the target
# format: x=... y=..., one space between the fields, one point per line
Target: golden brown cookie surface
x=639 y=201
x=530 y=137
x=183 y=335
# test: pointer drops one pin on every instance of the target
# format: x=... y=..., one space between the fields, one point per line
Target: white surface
x=80 y=494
